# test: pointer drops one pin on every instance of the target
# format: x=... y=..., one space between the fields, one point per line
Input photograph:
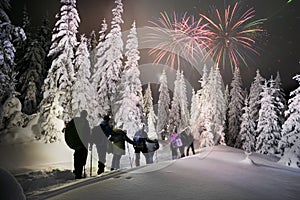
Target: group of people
x=107 y=140
x=178 y=141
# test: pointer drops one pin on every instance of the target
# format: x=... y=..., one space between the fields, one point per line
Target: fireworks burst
x=176 y=38
x=232 y=36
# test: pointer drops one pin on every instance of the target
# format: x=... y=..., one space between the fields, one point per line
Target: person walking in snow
x=118 y=148
x=175 y=143
x=141 y=138
x=77 y=137
x=190 y=144
x=100 y=136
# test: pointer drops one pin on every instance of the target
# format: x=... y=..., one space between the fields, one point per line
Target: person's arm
x=127 y=139
x=151 y=141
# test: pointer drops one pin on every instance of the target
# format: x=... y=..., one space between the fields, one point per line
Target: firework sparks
x=232 y=36
x=178 y=38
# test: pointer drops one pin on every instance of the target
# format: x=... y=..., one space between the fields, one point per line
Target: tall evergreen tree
x=193 y=109
x=174 y=116
x=163 y=103
x=44 y=38
x=214 y=111
x=82 y=89
x=290 y=141
x=111 y=73
x=246 y=136
x=184 y=112
x=61 y=75
x=92 y=44
x=254 y=97
x=199 y=115
x=235 y=108
x=129 y=115
x=218 y=104
x=147 y=102
x=10 y=37
x=101 y=94
x=280 y=99
x=268 y=127
x=31 y=80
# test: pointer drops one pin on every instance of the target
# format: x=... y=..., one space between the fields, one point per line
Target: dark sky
x=279 y=48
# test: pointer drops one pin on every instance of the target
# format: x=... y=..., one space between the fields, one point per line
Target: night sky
x=279 y=47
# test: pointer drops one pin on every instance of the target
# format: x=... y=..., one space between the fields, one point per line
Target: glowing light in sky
x=233 y=35
x=176 y=38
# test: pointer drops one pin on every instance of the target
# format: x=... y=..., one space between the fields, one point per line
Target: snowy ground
x=216 y=173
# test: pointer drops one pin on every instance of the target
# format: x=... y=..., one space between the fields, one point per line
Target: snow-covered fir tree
x=193 y=109
x=246 y=136
x=163 y=103
x=31 y=71
x=198 y=115
x=82 y=90
x=290 y=141
x=92 y=44
x=149 y=118
x=129 y=115
x=61 y=75
x=235 y=109
x=10 y=36
x=97 y=70
x=52 y=126
x=151 y=124
x=112 y=68
x=214 y=111
x=174 y=116
x=218 y=104
x=226 y=98
x=280 y=100
x=44 y=38
x=254 y=97
x=184 y=112
x=268 y=127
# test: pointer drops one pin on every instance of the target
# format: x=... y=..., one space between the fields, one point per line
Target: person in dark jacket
x=83 y=131
x=100 y=135
x=141 y=138
x=118 y=140
x=190 y=144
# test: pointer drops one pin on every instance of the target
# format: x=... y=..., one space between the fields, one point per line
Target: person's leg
x=193 y=149
x=147 y=157
x=77 y=171
x=174 y=153
x=187 y=150
x=151 y=154
x=101 y=158
x=181 y=150
x=84 y=158
x=117 y=161
x=137 y=158
x=80 y=157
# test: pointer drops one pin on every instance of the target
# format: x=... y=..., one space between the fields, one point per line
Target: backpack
x=152 y=146
x=177 y=142
x=139 y=140
x=71 y=136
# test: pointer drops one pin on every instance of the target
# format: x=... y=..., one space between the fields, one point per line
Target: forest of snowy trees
x=53 y=75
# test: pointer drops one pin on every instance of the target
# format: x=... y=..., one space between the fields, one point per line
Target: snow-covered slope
x=216 y=173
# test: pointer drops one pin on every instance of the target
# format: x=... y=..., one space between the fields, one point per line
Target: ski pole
x=91 y=161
